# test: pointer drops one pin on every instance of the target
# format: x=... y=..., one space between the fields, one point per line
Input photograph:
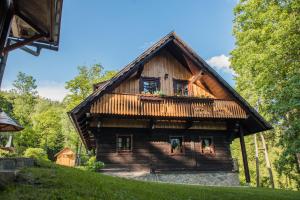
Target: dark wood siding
x=151 y=149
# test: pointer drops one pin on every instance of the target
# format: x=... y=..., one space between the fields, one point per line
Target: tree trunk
x=298 y=158
x=256 y=161
x=267 y=160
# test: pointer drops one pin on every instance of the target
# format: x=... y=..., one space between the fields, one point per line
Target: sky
x=114 y=32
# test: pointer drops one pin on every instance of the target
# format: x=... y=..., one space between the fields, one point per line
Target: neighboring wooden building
x=65 y=157
x=167 y=110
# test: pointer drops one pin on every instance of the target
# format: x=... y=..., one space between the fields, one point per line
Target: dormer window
x=149 y=85
x=180 y=87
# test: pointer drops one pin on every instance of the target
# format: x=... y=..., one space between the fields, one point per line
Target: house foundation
x=216 y=178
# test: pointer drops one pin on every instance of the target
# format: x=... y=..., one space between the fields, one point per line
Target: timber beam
x=188 y=124
x=22 y=43
x=139 y=72
x=244 y=154
x=3 y=60
x=6 y=17
x=196 y=77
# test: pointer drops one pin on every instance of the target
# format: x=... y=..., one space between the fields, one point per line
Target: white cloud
x=52 y=90
x=48 y=89
x=222 y=63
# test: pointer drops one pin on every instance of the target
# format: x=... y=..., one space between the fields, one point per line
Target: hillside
x=53 y=182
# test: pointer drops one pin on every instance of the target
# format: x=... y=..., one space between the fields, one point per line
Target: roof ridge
x=65 y=148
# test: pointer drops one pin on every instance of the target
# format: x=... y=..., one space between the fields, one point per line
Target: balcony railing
x=156 y=106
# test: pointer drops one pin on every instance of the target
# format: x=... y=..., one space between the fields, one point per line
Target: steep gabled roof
x=125 y=71
x=98 y=85
x=255 y=122
x=64 y=149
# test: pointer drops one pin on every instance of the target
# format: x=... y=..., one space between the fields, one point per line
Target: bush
x=7 y=154
x=93 y=165
x=36 y=153
x=84 y=158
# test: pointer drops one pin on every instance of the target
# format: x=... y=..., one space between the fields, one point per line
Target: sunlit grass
x=53 y=182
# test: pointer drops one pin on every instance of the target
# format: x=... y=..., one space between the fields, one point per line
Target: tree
x=47 y=124
x=41 y=118
x=80 y=87
x=24 y=98
x=7 y=107
x=266 y=61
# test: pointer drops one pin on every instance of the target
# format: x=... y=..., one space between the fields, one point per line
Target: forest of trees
x=266 y=60
x=46 y=123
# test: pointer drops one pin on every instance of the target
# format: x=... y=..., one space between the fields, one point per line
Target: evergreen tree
x=24 y=99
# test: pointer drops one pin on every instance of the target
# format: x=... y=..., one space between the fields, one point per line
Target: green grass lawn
x=54 y=182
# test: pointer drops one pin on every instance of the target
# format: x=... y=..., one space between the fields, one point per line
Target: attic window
x=149 y=85
x=180 y=87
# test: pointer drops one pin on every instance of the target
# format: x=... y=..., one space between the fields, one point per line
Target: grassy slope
x=67 y=183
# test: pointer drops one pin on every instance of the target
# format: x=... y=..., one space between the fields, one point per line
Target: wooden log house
x=167 y=110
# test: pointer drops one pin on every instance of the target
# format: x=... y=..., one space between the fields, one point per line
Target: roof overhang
x=31 y=22
x=7 y=124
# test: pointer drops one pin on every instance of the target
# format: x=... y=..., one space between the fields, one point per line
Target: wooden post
x=76 y=157
x=244 y=154
x=6 y=17
x=256 y=161
x=267 y=160
x=79 y=154
x=3 y=60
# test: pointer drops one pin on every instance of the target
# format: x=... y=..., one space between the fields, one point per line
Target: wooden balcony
x=169 y=107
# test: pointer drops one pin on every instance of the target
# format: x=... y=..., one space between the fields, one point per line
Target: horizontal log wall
x=159 y=124
x=153 y=150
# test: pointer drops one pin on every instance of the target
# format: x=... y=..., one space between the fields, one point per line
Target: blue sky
x=114 y=32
